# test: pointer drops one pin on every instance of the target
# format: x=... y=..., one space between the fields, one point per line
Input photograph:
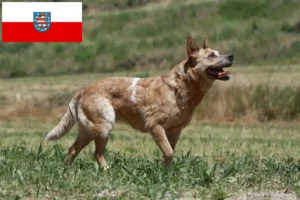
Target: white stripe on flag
x=23 y=11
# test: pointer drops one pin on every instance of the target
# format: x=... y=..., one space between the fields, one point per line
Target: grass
x=213 y=160
x=139 y=35
x=209 y=164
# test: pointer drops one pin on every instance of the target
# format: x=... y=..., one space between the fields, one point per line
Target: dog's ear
x=191 y=46
x=205 y=43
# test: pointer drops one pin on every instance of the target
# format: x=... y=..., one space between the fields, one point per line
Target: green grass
x=150 y=35
x=212 y=162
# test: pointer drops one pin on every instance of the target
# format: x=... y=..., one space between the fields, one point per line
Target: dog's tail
x=66 y=123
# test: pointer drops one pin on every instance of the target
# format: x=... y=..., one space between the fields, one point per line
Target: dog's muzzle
x=218 y=72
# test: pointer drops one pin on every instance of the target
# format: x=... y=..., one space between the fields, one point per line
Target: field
x=243 y=141
x=212 y=162
x=217 y=156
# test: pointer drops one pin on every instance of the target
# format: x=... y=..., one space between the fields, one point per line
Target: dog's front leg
x=160 y=138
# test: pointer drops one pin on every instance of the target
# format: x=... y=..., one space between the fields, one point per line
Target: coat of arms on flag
x=41 y=21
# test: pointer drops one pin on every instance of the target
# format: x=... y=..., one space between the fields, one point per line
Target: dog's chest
x=182 y=110
x=179 y=117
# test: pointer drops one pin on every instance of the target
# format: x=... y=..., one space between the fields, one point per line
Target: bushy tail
x=66 y=123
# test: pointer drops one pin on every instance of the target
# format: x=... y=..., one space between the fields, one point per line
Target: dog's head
x=206 y=62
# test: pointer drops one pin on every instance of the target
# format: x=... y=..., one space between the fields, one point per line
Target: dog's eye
x=211 y=55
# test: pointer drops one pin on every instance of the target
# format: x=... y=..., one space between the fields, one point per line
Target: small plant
x=219 y=193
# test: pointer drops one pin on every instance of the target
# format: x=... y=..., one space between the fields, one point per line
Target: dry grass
x=240 y=99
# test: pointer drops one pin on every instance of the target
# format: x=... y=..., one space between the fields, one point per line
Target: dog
x=160 y=105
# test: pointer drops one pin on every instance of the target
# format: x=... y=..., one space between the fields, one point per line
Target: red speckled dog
x=160 y=105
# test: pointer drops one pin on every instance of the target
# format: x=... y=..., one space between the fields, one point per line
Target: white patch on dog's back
x=133 y=89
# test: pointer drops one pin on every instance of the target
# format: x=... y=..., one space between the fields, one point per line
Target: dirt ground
x=255 y=196
x=264 y=196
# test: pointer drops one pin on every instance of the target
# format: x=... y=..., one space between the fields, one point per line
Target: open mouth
x=218 y=73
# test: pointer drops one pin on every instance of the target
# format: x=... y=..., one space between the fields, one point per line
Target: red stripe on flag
x=58 y=32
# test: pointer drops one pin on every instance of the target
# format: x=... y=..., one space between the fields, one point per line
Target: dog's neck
x=188 y=84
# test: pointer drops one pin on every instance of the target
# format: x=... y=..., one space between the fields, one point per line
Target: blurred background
x=148 y=37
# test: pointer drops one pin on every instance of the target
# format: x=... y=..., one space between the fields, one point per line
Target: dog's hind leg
x=83 y=139
x=103 y=123
x=96 y=121
x=104 y=128
x=100 y=144
x=173 y=137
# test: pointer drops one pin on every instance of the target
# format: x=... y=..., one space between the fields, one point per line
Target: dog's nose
x=230 y=57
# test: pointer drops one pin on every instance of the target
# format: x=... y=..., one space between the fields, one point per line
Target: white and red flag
x=41 y=22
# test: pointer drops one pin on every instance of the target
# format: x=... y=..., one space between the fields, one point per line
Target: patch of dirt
x=264 y=196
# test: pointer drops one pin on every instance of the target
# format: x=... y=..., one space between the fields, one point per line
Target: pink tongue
x=222 y=74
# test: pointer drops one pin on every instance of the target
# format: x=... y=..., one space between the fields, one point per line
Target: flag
x=41 y=22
